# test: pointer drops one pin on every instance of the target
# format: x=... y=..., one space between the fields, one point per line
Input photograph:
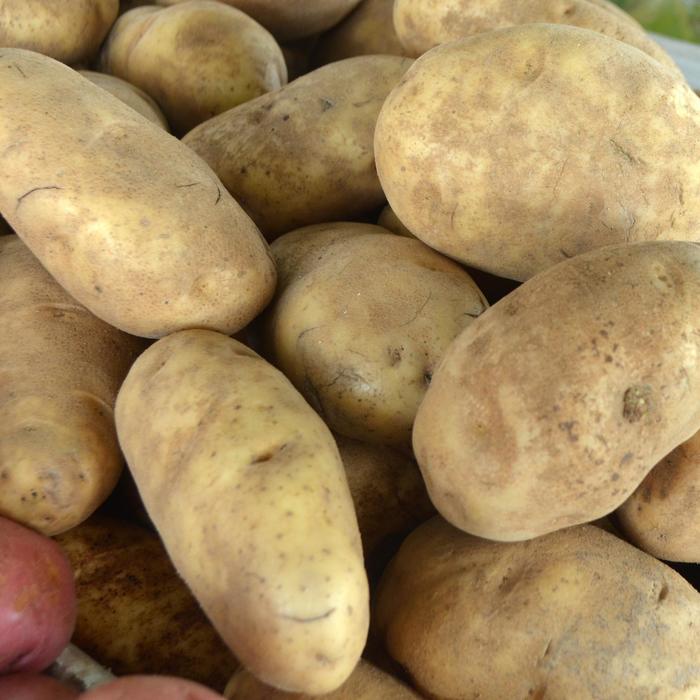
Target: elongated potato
x=531 y=424
x=61 y=369
x=128 y=220
x=247 y=489
x=576 y=614
x=515 y=149
x=303 y=155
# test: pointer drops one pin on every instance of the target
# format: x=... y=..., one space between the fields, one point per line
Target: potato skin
x=150 y=688
x=135 y=614
x=303 y=155
x=34 y=686
x=531 y=424
x=62 y=367
x=230 y=448
x=133 y=225
x=576 y=614
x=70 y=32
x=535 y=173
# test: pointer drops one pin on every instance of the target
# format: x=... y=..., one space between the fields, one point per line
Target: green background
x=677 y=18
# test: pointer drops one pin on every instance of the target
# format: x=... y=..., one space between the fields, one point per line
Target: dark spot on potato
x=32 y=191
x=637 y=402
x=285 y=118
x=663 y=593
x=615 y=476
x=326 y=104
x=608 y=358
x=427 y=377
x=569 y=428
x=98 y=289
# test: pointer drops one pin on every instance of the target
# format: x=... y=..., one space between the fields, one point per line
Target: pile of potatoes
x=391 y=308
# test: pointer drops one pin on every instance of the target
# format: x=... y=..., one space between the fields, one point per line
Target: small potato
x=303 y=155
x=150 y=688
x=70 y=31
x=361 y=321
x=576 y=614
x=196 y=59
x=33 y=686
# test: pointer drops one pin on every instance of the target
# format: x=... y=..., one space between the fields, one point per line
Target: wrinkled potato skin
x=361 y=323
x=662 y=516
x=576 y=614
x=135 y=614
x=617 y=138
x=304 y=155
x=70 y=31
x=196 y=59
x=61 y=367
x=133 y=225
x=231 y=450
x=532 y=424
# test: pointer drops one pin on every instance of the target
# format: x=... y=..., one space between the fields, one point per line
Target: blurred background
x=675 y=18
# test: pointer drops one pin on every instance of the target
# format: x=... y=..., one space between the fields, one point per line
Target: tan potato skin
x=576 y=614
x=362 y=321
x=304 y=155
x=61 y=369
x=550 y=409
x=70 y=31
x=246 y=487
x=662 y=516
x=196 y=59
x=513 y=150
x=135 y=614
x=133 y=225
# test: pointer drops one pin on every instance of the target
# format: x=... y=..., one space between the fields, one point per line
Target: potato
x=550 y=409
x=246 y=487
x=71 y=31
x=367 y=682
x=513 y=150
x=360 y=322
x=576 y=614
x=37 y=600
x=150 y=688
x=128 y=220
x=135 y=615
x=303 y=155
x=662 y=516
x=61 y=369
x=129 y=94
x=33 y=686
x=196 y=59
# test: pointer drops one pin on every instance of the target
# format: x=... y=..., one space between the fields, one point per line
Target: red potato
x=37 y=600
x=34 y=686
x=151 y=688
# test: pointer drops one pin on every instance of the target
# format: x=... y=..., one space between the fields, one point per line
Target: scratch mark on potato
x=189 y=184
x=19 y=70
x=218 y=195
x=306 y=620
x=33 y=190
x=419 y=312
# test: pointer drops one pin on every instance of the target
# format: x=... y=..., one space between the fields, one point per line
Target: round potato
x=246 y=487
x=304 y=155
x=662 y=516
x=361 y=321
x=513 y=150
x=196 y=59
x=150 y=688
x=576 y=614
x=70 y=31
x=132 y=224
x=532 y=424
x=34 y=686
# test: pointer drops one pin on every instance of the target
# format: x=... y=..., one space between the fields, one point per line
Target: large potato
x=576 y=614
x=135 y=614
x=128 y=220
x=61 y=370
x=662 y=516
x=361 y=321
x=196 y=59
x=70 y=31
x=304 y=155
x=550 y=409
x=516 y=149
x=246 y=487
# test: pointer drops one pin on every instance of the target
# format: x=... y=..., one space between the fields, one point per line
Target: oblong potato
x=515 y=149
x=304 y=155
x=576 y=614
x=531 y=424
x=135 y=614
x=132 y=224
x=361 y=320
x=61 y=370
x=247 y=489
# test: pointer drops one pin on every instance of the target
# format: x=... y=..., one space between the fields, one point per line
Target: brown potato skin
x=532 y=424
x=576 y=614
x=281 y=155
x=662 y=516
x=514 y=174
x=62 y=367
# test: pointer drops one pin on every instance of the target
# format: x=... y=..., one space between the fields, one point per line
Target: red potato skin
x=33 y=686
x=37 y=600
x=151 y=688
